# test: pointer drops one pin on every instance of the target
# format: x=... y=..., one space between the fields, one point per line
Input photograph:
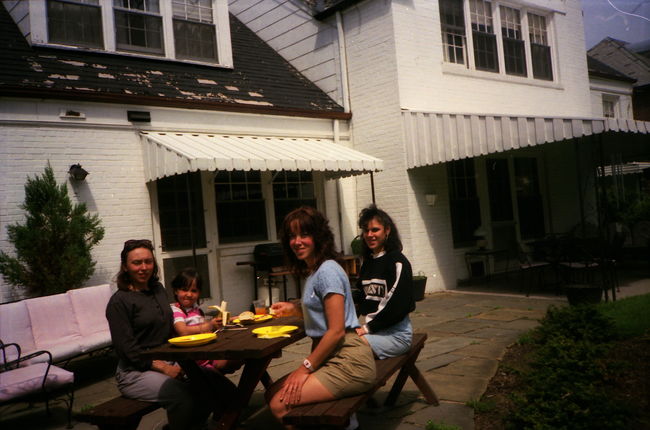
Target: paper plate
x=256 y=319
x=193 y=339
x=274 y=330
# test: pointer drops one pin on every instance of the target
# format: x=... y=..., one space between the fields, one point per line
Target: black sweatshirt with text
x=384 y=291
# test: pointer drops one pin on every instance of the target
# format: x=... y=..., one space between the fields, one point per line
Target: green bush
x=567 y=385
x=53 y=246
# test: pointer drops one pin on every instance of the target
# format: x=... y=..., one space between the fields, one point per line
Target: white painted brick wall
x=114 y=189
x=426 y=84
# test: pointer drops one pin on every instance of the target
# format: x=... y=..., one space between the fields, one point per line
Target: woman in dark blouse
x=140 y=318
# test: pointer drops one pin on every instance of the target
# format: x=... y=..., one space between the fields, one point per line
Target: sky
x=602 y=20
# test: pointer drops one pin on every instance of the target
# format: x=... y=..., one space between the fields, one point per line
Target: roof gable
x=261 y=80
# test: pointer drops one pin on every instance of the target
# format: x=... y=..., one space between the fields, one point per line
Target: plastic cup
x=260 y=307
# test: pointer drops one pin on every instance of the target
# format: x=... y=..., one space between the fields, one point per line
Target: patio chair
x=25 y=381
x=532 y=271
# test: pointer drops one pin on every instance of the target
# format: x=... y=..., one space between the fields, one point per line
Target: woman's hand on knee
x=292 y=388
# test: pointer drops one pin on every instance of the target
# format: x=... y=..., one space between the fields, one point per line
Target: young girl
x=340 y=364
x=189 y=317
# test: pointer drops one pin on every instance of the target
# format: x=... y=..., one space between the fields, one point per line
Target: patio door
x=515 y=201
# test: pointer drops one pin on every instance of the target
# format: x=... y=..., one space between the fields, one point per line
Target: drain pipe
x=345 y=98
x=343 y=58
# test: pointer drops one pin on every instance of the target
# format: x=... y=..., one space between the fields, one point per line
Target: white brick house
x=170 y=129
x=482 y=107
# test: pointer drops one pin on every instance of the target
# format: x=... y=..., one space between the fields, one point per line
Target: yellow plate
x=193 y=339
x=274 y=330
x=256 y=319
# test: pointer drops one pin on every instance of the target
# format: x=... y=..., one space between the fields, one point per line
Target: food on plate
x=246 y=315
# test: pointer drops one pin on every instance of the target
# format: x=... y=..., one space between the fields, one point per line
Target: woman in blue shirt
x=340 y=364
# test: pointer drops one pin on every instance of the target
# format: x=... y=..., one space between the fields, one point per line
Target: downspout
x=345 y=90
x=345 y=97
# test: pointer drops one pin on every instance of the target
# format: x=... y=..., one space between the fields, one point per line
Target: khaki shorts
x=350 y=370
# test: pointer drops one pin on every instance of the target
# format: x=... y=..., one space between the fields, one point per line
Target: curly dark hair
x=312 y=223
x=393 y=241
x=122 y=278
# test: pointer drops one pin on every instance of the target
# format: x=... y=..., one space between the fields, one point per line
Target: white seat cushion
x=28 y=380
x=16 y=327
x=89 y=308
x=54 y=327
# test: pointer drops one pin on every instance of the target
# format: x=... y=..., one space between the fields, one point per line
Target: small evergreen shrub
x=53 y=246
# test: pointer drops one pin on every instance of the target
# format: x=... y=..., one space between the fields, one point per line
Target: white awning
x=167 y=154
x=432 y=138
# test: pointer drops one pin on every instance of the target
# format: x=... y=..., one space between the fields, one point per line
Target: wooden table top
x=232 y=344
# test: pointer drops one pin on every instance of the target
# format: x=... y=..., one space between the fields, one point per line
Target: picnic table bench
x=120 y=413
x=336 y=413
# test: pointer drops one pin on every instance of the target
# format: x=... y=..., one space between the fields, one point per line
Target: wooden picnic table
x=233 y=345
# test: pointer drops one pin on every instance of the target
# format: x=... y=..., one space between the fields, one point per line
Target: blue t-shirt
x=329 y=278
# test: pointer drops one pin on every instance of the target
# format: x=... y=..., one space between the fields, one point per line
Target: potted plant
x=419 y=286
x=357 y=245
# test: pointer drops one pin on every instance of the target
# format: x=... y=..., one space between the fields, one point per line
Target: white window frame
x=614 y=102
x=39 y=32
x=143 y=12
x=470 y=63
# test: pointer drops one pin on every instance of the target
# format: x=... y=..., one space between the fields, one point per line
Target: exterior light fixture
x=77 y=172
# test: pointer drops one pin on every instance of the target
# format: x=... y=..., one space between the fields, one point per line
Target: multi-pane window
x=179 y=29
x=540 y=50
x=514 y=54
x=609 y=108
x=241 y=212
x=194 y=30
x=502 y=51
x=463 y=201
x=138 y=26
x=290 y=191
x=76 y=22
x=453 y=31
x=180 y=209
x=485 y=42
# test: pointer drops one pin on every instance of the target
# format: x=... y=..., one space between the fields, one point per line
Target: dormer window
x=138 y=26
x=75 y=23
x=196 y=31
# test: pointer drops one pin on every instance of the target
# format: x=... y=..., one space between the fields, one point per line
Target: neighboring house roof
x=616 y=54
x=602 y=70
x=260 y=82
x=641 y=48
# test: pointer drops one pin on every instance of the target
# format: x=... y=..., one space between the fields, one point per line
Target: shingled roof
x=600 y=69
x=260 y=82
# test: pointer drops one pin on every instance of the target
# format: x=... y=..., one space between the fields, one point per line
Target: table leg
x=254 y=371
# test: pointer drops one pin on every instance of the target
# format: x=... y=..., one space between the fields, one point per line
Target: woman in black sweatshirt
x=384 y=291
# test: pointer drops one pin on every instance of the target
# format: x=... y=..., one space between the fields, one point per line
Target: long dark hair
x=122 y=278
x=313 y=223
x=393 y=241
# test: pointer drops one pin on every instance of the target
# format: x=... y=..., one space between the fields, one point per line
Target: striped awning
x=433 y=138
x=167 y=154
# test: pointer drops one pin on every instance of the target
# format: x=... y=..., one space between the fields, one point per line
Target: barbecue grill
x=269 y=258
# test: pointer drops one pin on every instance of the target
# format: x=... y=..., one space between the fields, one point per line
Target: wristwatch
x=308 y=365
